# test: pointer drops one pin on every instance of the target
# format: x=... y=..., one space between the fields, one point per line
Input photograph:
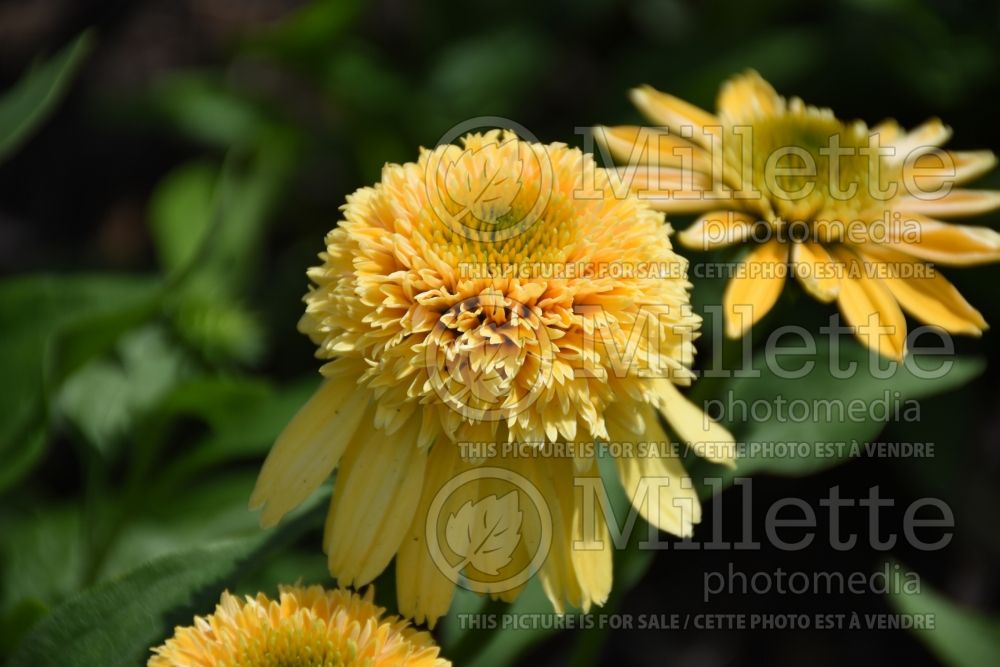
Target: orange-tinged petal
x=944 y=243
x=924 y=293
x=754 y=290
x=816 y=270
x=931 y=169
x=717 y=229
x=868 y=306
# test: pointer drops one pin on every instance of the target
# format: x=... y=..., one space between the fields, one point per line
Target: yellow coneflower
x=435 y=344
x=853 y=211
x=304 y=626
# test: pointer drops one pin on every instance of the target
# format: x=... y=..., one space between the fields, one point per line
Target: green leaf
x=244 y=416
x=104 y=398
x=959 y=637
x=213 y=509
x=41 y=552
x=114 y=624
x=203 y=107
x=25 y=106
x=310 y=31
x=52 y=325
x=210 y=227
x=181 y=213
x=823 y=412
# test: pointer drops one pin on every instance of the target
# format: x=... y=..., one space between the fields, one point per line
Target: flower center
x=805 y=169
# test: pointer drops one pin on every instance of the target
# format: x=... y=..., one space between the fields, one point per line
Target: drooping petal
x=374 y=499
x=423 y=591
x=554 y=481
x=709 y=439
x=655 y=482
x=755 y=288
x=817 y=272
x=309 y=448
x=868 y=305
x=592 y=547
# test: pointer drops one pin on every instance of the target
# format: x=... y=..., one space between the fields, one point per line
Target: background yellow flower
x=854 y=212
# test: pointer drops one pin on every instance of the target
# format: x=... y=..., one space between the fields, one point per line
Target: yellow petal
x=868 y=305
x=657 y=486
x=931 y=134
x=954 y=204
x=374 y=500
x=554 y=480
x=816 y=270
x=633 y=145
x=660 y=182
x=709 y=439
x=754 y=290
x=672 y=112
x=309 y=448
x=948 y=244
x=748 y=96
x=928 y=296
x=592 y=548
x=423 y=591
x=930 y=170
x=717 y=229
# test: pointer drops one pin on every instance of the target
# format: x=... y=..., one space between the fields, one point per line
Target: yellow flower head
x=491 y=293
x=853 y=211
x=305 y=626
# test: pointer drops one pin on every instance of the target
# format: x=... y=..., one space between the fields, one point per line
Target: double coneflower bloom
x=304 y=626
x=492 y=293
x=854 y=212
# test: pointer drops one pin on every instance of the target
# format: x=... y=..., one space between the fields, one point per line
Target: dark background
x=354 y=85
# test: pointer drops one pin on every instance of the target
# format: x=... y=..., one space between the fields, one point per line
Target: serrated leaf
x=483 y=530
x=114 y=624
